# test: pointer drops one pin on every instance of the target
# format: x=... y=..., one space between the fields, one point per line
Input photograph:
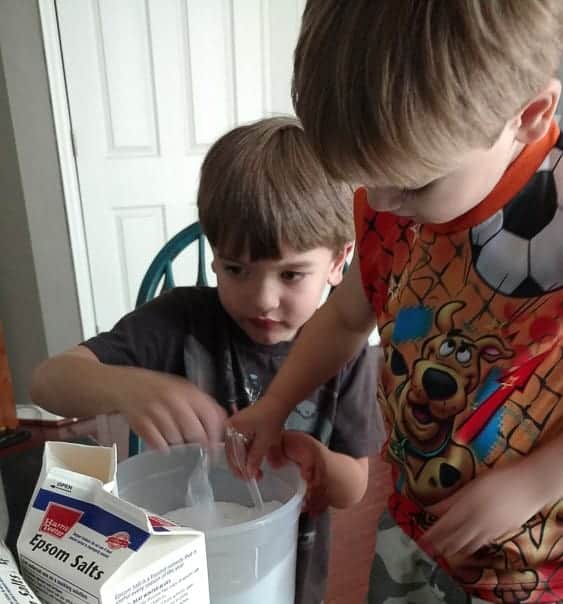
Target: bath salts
x=218 y=515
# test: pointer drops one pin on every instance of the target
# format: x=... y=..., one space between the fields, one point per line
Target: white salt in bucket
x=248 y=563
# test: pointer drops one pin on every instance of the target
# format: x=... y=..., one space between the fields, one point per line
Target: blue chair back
x=160 y=271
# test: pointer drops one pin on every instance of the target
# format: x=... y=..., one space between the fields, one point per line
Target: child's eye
x=410 y=193
x=292 y=276
x=233 y=269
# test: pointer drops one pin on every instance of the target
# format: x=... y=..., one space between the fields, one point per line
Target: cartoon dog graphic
x=427 y=400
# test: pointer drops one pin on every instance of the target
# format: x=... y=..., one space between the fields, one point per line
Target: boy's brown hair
x=391 y=91
x=262 y=187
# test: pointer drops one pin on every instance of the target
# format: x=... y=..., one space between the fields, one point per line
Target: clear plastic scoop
x=237 y=444
x=199 y=494
x=200 y=491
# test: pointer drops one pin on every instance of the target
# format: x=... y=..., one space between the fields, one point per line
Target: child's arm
x=333 y=479
x=162 y=408
x=497 y=503
x=335 y=333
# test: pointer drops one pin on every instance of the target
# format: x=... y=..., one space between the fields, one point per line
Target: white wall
x=38 y=301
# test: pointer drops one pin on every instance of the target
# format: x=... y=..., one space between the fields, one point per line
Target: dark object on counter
x=19 y=473
x=13 y=437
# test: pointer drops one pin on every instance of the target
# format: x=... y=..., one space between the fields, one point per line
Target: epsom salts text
x=91 y=569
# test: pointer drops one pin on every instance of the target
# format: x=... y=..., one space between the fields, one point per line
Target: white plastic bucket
x=249 y=563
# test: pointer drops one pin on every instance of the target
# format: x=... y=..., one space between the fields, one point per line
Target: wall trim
x=69 y=176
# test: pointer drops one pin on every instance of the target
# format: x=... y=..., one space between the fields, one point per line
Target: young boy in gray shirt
x=280 y=231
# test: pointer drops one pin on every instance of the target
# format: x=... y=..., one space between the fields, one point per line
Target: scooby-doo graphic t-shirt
x=471 y=319
x=187 y=332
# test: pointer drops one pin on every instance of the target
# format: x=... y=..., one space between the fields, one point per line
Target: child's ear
x=338 y=262
x=534 y=120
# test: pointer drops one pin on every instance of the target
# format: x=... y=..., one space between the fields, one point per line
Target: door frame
x=67 y=160
x=67 y=154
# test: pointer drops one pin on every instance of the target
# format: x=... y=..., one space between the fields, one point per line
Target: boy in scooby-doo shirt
x=445 y=112
x=470 y=315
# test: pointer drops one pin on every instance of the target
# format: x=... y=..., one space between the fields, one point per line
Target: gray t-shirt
x=187 y=332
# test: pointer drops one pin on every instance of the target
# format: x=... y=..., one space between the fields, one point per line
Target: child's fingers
x=191 y=428
x=256 y=453
x=150 y=435
x=213 y=421
x=235 y=450
x=172 y=427
x=300 y=448
x=212 y=417
x=316 y=501
x=296 y=448
x=276 y=457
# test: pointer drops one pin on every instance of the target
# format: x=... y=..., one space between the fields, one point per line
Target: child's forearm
x=163 y=409
x=75 y=384
x=346 y=478
x=322 y=357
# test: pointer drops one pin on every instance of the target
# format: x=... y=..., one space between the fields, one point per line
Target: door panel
x=151 y=84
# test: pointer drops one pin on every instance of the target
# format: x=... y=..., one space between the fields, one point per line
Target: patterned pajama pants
x=402 y=573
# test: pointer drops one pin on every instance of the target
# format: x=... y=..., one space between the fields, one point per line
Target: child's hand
x=307 y=453
x=166 y=409
x=261 y=427
x=485 y=509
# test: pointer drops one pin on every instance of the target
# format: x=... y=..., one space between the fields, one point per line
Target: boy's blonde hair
x=262 y=187
x=390 y=92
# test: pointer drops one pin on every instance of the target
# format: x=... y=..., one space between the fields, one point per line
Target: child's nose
x=266 y=296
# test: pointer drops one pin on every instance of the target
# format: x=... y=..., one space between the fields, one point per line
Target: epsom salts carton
x=80 y=543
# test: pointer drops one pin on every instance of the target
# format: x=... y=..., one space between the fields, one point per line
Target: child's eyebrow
x=297 y=266
x=231 y=260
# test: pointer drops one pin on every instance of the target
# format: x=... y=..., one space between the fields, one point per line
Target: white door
x=151 y=84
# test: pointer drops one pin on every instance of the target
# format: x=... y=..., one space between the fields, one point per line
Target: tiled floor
x=353 y=540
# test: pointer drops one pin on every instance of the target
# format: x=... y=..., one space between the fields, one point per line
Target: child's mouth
x=264 y=324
